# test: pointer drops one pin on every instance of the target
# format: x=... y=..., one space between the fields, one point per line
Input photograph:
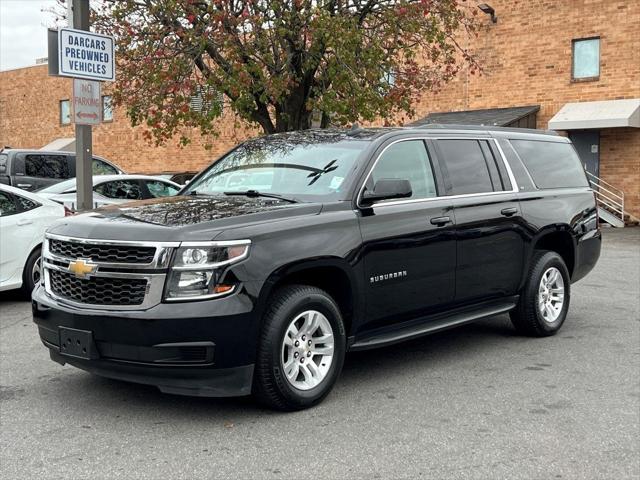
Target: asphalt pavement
x=477 y=402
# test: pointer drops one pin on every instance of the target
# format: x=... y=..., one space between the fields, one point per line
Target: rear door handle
x=24 y=185
x=24 y=221
x=440 y=221
x=507 y=212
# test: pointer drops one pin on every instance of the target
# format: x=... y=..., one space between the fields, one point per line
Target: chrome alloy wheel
x=36 y=271
x=551 y=295
x=307 y=350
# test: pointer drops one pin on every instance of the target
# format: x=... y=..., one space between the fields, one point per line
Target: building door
x=587 y=143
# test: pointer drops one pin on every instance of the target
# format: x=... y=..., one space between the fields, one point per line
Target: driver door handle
x=507 y=212
x=440 y=221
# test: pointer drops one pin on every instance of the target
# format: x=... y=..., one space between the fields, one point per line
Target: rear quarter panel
x=571 y=210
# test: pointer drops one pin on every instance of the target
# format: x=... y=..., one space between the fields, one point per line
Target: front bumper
x=196 y=348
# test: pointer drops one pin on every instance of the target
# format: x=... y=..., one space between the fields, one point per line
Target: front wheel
x=32 y=272
x=544 y=300
x=302 y=348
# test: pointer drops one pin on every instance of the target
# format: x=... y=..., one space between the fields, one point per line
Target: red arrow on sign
x=87 y=115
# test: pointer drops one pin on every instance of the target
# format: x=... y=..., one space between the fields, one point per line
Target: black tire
x=28 y=282
x=270 y=385
x=526 y=317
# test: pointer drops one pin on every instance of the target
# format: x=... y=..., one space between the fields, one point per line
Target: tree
x=277 y=62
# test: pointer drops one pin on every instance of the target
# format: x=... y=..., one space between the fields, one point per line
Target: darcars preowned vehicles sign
x=85 y=55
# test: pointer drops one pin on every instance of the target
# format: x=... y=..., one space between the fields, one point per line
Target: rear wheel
x=32 y=272
x=544 y=301
x=301 y=349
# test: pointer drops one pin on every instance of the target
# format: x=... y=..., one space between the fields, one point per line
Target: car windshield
x=60 y=187
x=306 y=166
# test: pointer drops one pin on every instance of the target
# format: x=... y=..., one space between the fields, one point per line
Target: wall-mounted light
x=489 y=10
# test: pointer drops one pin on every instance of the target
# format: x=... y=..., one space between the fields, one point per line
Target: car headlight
x=197 y=267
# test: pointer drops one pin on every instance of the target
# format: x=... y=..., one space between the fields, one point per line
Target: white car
x=110 y=189
x=24 y=217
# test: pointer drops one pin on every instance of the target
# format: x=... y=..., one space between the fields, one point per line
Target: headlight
x=197 y=267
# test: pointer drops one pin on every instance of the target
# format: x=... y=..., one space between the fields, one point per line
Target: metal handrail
x=601 y=188
x=609 y=197
x=600 y=181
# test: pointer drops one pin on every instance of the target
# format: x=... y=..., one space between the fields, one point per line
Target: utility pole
x=84 y=148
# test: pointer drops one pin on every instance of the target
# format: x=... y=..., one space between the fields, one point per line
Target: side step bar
x=432 y=324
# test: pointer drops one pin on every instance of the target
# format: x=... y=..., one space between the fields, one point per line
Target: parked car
x=356 y=240
x=36 y=169
x=110 y=189
x=24 y=217
x=181 y=178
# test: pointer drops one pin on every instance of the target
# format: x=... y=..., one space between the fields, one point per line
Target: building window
x=107 y=110
x=586 y=59
x=65 y=112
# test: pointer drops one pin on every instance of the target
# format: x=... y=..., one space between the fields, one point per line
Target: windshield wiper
x=256 y=194
x=329 y=167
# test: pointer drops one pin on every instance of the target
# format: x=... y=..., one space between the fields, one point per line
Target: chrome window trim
x=514 y=186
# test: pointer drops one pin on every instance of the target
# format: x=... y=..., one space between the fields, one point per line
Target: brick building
x=571 y=65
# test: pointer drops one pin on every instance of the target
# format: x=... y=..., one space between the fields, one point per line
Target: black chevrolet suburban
x=295 y=248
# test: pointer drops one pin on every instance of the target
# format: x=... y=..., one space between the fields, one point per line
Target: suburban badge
x=387 y=276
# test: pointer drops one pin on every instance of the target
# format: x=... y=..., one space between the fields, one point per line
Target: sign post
x=84 y=147
x=89 y=59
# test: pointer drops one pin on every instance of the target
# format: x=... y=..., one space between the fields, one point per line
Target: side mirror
x=387 y=189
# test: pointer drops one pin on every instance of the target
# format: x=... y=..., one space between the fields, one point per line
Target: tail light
x=68 y=212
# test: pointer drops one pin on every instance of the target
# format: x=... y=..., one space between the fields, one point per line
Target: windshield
x=60 y=187
x=308 y=166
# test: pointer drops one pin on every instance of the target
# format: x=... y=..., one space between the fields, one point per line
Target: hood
x=181 y=218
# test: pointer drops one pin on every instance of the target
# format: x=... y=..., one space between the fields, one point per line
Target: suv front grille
x=98 y=290
x=102 y=253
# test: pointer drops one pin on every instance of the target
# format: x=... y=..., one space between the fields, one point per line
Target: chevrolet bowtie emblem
x=82 y=268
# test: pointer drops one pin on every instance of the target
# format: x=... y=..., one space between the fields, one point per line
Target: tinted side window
x=103 y=168
x=47 y=166
x=24 y=204
x=7 y=206
x=466 y=166
x=408 y=161
x=551 y=164
x=123 y=189
x=160 y=189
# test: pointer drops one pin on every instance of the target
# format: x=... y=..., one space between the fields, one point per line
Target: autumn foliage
x=277 y=63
